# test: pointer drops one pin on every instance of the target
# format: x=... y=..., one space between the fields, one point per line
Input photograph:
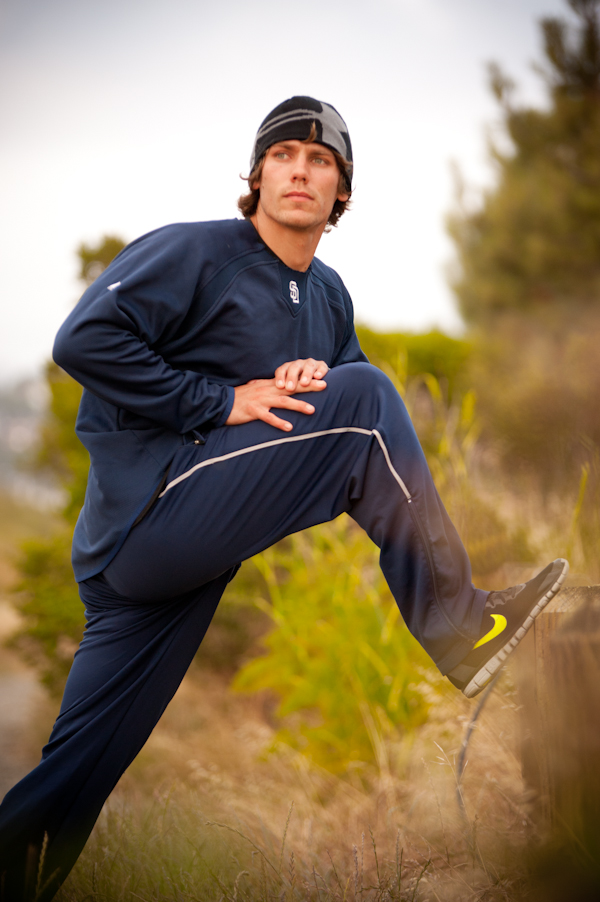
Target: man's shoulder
x=330 y=278
x=230 y=231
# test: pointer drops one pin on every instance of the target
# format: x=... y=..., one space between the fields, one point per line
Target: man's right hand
x=254 y=400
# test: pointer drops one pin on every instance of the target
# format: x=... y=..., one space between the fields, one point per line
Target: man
x=228 y=404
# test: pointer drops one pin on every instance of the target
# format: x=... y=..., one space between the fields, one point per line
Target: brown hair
x=248 y=203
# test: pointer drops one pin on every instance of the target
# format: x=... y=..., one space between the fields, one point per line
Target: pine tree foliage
x=93 y=260
x=533 y=244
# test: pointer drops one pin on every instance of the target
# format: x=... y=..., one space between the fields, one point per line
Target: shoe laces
x=499 y=598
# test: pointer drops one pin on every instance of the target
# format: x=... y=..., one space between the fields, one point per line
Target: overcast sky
x=123 y=115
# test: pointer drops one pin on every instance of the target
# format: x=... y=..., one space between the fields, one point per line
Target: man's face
x=299 y=185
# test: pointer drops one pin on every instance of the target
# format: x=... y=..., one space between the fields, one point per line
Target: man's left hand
x=299 y=373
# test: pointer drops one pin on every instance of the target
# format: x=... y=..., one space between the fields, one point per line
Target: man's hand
x=297 y=373
x=254 y=400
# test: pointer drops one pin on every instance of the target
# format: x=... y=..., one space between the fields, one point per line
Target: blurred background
x=124 y=116
x=472 y=253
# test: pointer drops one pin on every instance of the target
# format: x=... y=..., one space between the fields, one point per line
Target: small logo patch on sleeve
x=113 y=286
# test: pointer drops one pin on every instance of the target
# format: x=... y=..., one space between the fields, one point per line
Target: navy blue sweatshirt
x=158 y=341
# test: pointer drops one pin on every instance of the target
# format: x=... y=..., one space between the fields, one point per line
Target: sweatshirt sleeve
x=350 y=350
x=111 y=342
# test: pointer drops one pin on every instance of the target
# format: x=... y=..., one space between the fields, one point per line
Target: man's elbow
x=66 y=352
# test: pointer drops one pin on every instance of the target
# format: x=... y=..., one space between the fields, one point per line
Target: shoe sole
x=491 y=667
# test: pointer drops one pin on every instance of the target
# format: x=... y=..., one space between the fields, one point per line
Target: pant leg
x=251 y=485
x=130 y=662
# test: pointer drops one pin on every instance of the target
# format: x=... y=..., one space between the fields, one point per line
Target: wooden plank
x=573 y=733
x=557 y=668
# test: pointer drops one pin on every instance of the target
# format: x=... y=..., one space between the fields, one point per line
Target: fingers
x=296 y=369
x=270 y=418
x=286 y=403
x=315 y=385
x=297 y=374
x=280 y=375
x=254 y=401
x=320 y=370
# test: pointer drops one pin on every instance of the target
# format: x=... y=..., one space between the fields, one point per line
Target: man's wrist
x=228 y=407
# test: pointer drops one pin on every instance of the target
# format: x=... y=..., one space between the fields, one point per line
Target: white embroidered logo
x=294 y=293
x=113 y=286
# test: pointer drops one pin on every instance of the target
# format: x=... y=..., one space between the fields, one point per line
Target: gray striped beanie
x=293 y=120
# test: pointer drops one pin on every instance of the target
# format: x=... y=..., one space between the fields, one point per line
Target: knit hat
x=293 y=120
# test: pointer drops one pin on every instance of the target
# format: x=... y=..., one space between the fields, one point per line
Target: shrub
x=346 y=671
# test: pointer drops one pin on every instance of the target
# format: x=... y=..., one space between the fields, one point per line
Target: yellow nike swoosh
x=499 y=625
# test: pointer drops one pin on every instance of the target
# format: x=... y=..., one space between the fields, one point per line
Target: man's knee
x=365 y=395
x=360 y=379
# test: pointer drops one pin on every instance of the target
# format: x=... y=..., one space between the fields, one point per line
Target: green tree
x=528 y=269
x=93 y=260
x=533 y=245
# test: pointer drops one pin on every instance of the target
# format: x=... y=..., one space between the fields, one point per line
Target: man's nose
x=300 y=169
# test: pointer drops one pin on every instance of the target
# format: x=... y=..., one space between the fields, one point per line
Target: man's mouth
x=298 y=195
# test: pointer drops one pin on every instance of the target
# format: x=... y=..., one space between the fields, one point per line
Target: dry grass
x=205 y=813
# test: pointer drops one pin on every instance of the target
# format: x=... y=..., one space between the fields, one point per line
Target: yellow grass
x=205 y=813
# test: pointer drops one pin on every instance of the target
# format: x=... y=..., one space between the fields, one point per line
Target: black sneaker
x=507 y=617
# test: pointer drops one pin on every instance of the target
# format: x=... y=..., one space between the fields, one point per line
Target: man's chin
x=299 y=220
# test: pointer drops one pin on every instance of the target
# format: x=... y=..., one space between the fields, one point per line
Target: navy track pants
x=224 y=501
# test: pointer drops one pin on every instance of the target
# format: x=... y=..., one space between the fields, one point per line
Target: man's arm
x=350 y=350
x=107 y=342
